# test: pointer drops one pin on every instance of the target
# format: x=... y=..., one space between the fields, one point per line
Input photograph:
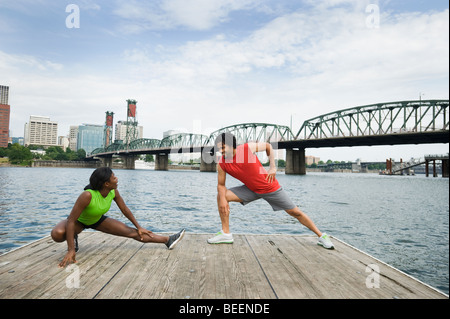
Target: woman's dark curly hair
x=99 y=177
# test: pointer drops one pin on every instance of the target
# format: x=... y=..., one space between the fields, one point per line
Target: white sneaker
x=221 y=238
x=325 y=241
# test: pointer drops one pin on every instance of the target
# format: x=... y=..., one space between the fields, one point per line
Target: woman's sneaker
x=221 y=238
x=325 y=241
x=174 y=239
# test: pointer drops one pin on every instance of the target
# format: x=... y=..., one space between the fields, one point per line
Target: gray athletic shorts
x=279 y=200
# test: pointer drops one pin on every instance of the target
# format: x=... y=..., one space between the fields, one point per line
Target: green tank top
x=98 y=206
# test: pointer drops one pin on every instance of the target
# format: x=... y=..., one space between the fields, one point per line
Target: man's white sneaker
x=221 y=238
x=325 y=241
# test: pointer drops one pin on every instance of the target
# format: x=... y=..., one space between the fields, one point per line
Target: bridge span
x=393 y=123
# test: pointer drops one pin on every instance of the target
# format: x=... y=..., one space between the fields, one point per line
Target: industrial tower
x=108 y=129
x=132 y=129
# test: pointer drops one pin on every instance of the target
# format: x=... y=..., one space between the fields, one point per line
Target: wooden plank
x=392 y=282
x=288 y=278
x=98 y=262
x=142 y=277
x=298 y=268
x=193 y=270
x=255 y=266
x=37 y=275
x=26 y=270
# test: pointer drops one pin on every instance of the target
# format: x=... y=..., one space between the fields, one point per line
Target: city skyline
x=202 y=65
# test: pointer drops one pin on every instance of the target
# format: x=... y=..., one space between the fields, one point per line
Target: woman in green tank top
x=89 y=210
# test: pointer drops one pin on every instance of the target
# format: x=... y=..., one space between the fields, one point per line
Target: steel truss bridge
x=393 y=123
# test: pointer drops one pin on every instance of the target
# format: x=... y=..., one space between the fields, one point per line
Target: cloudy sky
x=199 y=65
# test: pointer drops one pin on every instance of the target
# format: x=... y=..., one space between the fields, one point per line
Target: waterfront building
x=41 y=131
x=4 y=94
x=73 y=135
x=90 y=137
x=4 y=124
x=309 y=160
x=5 y=111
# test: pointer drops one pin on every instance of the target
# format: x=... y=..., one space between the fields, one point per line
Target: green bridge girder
x=144 y=143
x=244 y=133
x=256 y=132
x=379 y=119
x=183 y=140
x=382 y=119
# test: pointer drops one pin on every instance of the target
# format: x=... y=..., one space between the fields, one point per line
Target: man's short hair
x=227 y=139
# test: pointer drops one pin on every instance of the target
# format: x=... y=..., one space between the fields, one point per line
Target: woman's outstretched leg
x=117 y=228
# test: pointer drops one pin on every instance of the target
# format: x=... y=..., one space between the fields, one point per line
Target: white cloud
x=10 y=62
x=172 y=14
x=203 y=14
x=88 y=5
x=336 y=43
x=305 y=63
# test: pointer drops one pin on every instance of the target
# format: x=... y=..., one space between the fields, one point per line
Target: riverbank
x=119 y=165
x=67 y=164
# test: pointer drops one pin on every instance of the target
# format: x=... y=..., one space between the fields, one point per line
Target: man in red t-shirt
x=242 y=163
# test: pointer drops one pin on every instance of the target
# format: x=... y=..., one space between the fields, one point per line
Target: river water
x=401 y=220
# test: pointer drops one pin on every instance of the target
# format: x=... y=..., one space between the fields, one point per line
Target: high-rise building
x=41 y=131
x=5 y=111
x=4 y=94
x=4 y=124
x=90 y=137
x=309 y=160
x=73 y=135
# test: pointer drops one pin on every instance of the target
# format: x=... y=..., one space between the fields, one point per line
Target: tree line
x=23 y=155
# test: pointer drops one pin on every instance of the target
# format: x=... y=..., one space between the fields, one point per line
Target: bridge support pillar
x=208 y=167
x=106 y=161
x=208 y=162
x=128 y=161
x=295 y=162
x=162 y=162
x=445 y=167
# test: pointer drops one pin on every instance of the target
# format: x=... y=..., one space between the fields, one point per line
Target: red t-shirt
x=245 y=166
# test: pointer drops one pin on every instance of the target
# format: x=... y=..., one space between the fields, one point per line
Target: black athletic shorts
x=95 y=225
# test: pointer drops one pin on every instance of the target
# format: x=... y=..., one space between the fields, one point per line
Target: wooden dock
x=254 y=267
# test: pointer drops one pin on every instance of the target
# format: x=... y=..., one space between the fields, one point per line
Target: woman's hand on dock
x=69 y=258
